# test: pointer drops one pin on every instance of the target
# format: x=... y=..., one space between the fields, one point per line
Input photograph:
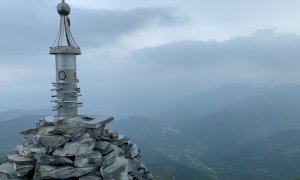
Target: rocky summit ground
x=75 y=148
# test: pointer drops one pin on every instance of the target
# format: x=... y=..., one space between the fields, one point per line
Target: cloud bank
x=170 y=69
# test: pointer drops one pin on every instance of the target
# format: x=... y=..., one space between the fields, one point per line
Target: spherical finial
x=63 y=9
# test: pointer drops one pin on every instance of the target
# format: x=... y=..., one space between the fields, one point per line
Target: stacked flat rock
x=75 y=148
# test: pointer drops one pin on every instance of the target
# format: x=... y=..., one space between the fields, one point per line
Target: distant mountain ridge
x=12 y=114
x=252 y=118
x=251 y=136
x=274 y=157
x=10 y=131
x=205 y=103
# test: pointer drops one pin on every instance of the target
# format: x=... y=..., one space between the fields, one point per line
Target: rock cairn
x=75 y=148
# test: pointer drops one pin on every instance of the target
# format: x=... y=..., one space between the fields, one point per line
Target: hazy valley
x=231 y=132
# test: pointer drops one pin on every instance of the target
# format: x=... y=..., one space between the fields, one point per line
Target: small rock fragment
x=114 y=134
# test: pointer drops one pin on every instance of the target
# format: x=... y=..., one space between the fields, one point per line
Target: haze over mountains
x=233 y=131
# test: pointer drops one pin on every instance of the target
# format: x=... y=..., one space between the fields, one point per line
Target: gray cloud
x=176 y=69
x=171 y=70
x=265 y=49
x=30 y=29
x=105 y=26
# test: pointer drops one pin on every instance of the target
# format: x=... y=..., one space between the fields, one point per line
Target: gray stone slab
x=118 y=170
x=90 y=177
x=11 y=169
x=28 y=135
x=76 y=148
x=95 y=133
x=19 y=159
x=30 y=132
x=4 y=176
x=133 y=165
x=93 y=158
x=7 y=168
x=30 y=151
x=64 y=127
x=61 y=172
x=132 y=151
x=94 y=176
x=110 y=158
x=52 y=160
x=82 y=137
x=105 y=134
x=22 y=170
x=45 y=130
x=104 y=147
x=97 y=122
x=51 y=143
x=48 y=121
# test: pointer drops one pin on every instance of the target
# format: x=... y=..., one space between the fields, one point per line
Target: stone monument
x=72 y=146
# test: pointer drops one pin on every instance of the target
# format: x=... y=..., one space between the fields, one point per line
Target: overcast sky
x=157 y=48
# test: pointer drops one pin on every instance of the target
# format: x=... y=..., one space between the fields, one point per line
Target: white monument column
x=65 y=50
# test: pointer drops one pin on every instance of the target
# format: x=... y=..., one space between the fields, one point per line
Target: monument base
x=79 y=147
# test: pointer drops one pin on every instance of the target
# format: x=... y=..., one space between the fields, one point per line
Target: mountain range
x=231 y=132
